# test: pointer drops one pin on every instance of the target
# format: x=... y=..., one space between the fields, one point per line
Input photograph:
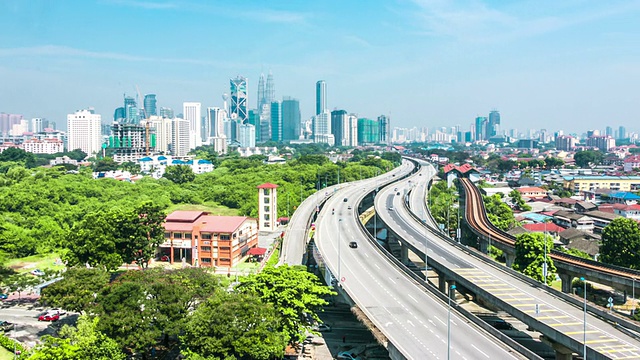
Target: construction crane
x=147 y=130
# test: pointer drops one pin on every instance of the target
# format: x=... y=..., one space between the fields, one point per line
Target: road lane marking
x=581 y=332
x=377 y=266
x=412 y=298
x=480 y=351
x=437 y=318
x=566 y=324
x=552 y=317
x=542 y=310
x=393 y=281
x=601 y=341
x=410 y=323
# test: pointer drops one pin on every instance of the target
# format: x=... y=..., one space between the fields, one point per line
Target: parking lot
x=28 y=329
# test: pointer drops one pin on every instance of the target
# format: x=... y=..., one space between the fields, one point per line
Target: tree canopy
x=588 y=158
x=530 y=256
x=621 y=243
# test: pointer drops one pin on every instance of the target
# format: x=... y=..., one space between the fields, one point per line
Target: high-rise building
x=131 y=111
x=150 y=105
x=339 y=127
x=180 y=137
x=7 y=121
x=247 y=135
x=261 y=98
x=277 y=121
x=321 y=96
x=480 y=126
x=565 y=142
x=321 y=126
x=291 y=118
x=215 y=117
x=167 y=113
x=603 y=143
x=84 y=132
x=351 y=130
x=494 y=124
x=192 y=113
x=37 y=125
x=254 y=119
x=162 y=128
x=119 y=114
x=270 y=91
x=622 y=132
x=239 y=98
x=129 y=142
x=384 y=131
x=367 y=131
x=608 y=131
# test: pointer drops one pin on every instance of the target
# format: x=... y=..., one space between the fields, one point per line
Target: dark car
x=345 y=200
x=398 y=193
x=502 y=325
x=353 y=245
x=6 y=326
x=3 y=296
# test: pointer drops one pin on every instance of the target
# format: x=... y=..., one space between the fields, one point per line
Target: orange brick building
x=204 y=240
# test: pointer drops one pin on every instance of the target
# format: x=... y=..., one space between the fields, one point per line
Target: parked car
x=3 y=296
x=37 y=272
x=349 y=207
x=353 y=245
x=164 y=258
x=347 y=355
x=57 y=311
x=345 y=200
x=6 y=326
x=49 y=317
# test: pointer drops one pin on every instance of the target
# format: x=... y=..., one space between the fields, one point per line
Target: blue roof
x=203 y=161
x=625 y=195
x=162 y=157
x=537 y=217
x=190 y=162
x=146 y=159
x=177 y=162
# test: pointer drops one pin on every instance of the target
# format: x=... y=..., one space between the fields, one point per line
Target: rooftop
x=267 y=186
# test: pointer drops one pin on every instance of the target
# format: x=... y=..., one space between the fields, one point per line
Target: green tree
x=20 y=283
x=105 y=164
x=83 y=342
x=553 y=163
x=530 y=253
x=138 y=232
x=518 y=201
x=234 y=326
x=77 y=290
x=179 y=174
x=588 y=158
x=621 y=243
x=91 y=242
x=295 y=293
x=498 y=212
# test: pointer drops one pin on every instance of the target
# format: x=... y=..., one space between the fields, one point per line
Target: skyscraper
x=351 y=131
x=254 y=119
x=180 y=137
x=321 y=96
x=338 y=126
x=479 y=126
x=192 y=113
x=239 y=99
x=131 y=112
x=290 y=119
x=261 y=92
x=247 y=135
x=84 y=131
x=277 y=120
x=384 y=130
x=622 y=132
x=37 y=125
x=119 y=114
x=321 y=126
x=270 y=91
x=166 y=112
x=494 y=124
x=367 y=131
x=150 y=105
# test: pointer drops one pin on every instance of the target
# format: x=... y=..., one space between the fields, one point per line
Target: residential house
x=628 y=211
x=570 y=219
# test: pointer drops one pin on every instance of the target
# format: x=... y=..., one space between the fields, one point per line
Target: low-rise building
x=156 y=165
x=631 y=163
x=44 y=146
x=63 y=160
x=569 y=219
x=628 y=211
x=200 y=239
x=532 y=192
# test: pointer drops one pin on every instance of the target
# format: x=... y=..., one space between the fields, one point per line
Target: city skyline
x=570 y=66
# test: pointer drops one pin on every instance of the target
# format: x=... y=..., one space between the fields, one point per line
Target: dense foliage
x=621 y=243
x=499 y=213
x=443 y=203
x=530 y=256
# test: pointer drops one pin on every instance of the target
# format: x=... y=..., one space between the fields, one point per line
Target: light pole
x=426 y=251
x=452 y=290
x=633 y=296
x=339 y=241
x=544 y=267
x=584 y=329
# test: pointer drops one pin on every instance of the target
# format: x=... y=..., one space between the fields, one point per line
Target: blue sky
x=571 y=64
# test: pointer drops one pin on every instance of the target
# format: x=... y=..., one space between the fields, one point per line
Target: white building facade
x=192 y=112
x=84 y=131
x=180 y=137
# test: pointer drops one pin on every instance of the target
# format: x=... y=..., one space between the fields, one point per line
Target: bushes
x=11 y=344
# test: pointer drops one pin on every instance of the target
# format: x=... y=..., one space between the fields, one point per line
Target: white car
x=37 y=272
x=57 y=311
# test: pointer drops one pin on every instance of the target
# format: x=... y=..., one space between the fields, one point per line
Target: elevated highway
x=562 y=323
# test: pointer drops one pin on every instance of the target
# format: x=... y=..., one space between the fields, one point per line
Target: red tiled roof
x=267 y=186
x=625 y=207
x=222 y=224
x=540 y=227
x=178 y=226
x=184 y=215
x=257 y=251
x=530 y=189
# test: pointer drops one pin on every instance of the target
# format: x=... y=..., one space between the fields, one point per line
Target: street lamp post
x=584 y=328
x=426 y=251
x=452 y=290
x=633 y=296
x=544 y=267
x=339 y=241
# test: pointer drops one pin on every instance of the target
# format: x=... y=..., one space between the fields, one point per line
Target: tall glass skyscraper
x=338 y=124
x=239 y=98
x=494 y=124
x=321 y=97
x=150 y=105
x=290 y=119
x=277 y=121
x=384 y=129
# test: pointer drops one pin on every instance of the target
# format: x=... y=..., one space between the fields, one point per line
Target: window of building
x=187 y=235
x=265 y=191
x=225 y=248
x=167 y=235
x=225 y=237
x=206 y=236
x=177 y=235
x=266 y=216
x=206 y=248
x=266 y=224
x=205 y=260
x=267 y=208
x=266 y=200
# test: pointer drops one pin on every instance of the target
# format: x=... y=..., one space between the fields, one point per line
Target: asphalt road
x=561 y=316
x=411 y=318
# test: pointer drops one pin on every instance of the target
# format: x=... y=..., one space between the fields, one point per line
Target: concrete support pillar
x=442 y=282
x=566 y=282
x=562 y=353
x=449 y=283
x=404 y=254
x=509 y=258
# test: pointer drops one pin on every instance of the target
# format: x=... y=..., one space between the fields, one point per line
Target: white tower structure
x=267 y=207
x=192 y=112
x=180 y=137
x=84 y=131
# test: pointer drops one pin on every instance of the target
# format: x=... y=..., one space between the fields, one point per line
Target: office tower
x=128 y=142
x=592 y=133
x=608 y=131
x=494 y=123
x=162 y=129
x=150 y=105
x=261 y=99
x=321 y=97
x=479 y=128
x=192 y=113
x=37 y=125
x=277 y=121
x=321 y=126
x=270 y=91
x=603 y=143
x=180 y=137
x=351 y=130
x=339 y=127
x=239 y=99
x=166 y=112
x=254 y=119
x=131 y=111
x=384 y=124
x=367 y=131
x=119 y=114
x=247 y=135
x=7 y=121
x=291 y=118
x=565 y=142
x=215 y=117
x=622 y=132
x=84 y=131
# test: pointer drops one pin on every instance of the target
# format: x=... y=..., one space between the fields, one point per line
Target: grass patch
x=43 y=262
x=5 y=354
x=213 y=208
